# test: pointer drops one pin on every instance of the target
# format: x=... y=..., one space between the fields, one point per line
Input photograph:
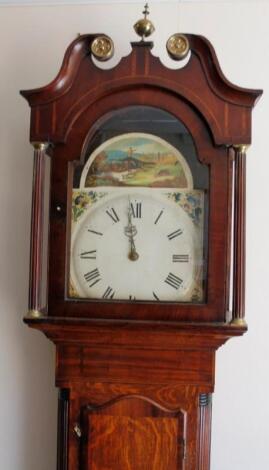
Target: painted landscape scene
x=137 y=160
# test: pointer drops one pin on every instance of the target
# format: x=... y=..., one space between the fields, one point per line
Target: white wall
x=33 y=40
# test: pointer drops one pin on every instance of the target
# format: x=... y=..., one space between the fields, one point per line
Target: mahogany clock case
x=216 y=114
x=136 y=378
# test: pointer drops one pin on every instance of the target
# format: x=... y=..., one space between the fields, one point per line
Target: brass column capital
x=242 y=148
x=42 y=146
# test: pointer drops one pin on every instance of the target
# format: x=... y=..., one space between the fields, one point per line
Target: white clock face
x=135 y=244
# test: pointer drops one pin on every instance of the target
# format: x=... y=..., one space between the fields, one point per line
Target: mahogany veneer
x=136 y=379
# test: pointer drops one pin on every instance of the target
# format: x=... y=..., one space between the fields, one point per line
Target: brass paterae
x=178 y=46
x=102 y=48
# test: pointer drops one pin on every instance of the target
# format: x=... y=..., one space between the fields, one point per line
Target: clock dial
x=138 y=226
x=136 y=246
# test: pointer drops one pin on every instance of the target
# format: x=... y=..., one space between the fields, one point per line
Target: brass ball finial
x=144 y=27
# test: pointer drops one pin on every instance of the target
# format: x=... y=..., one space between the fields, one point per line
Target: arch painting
x=136 y=159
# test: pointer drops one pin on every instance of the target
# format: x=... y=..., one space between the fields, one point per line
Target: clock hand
x=130 y=231
x=133 y=255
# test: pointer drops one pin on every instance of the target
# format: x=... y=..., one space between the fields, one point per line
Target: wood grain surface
x=133 y=434
x=132 y=374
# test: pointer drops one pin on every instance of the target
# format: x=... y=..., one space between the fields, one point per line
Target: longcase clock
x=146 y=194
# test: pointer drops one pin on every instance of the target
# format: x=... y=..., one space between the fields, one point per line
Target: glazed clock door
x=139 y=213
x=132 y=433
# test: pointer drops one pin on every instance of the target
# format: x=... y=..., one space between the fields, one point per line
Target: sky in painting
x=120 y=148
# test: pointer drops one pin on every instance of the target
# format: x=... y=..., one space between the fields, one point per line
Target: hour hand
x=133 y=255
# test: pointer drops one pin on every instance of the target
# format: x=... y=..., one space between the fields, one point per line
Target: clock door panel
x=191 y=285
x=132 y=433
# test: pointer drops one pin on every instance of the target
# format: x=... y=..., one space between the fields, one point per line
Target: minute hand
x=130 y=231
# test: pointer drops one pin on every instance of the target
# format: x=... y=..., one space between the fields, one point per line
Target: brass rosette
x=178 y=46
x=102 y=48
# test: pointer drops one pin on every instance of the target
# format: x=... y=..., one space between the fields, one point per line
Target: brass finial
x=144 y=27
x=146 y=10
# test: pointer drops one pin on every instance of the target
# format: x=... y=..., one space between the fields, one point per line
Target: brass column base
x=34 y=314
x=238 y=322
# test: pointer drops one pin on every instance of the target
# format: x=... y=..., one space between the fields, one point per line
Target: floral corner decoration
x=191 y=202
x=81 y=200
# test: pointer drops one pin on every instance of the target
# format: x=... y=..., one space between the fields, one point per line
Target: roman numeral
x=113 y=214
x=94 y=231
x=109 y=293
x=175 y=234
x=155 y=296
x=158 y=218
x=180 y=258
x=88 y=255
x=94 y=276
x=173 y=281
x=132 y=297
x=136 y=210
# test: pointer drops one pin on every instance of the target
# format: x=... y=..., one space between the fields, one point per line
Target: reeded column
x=239 y=261
x=36 y=248
x=205 y=415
